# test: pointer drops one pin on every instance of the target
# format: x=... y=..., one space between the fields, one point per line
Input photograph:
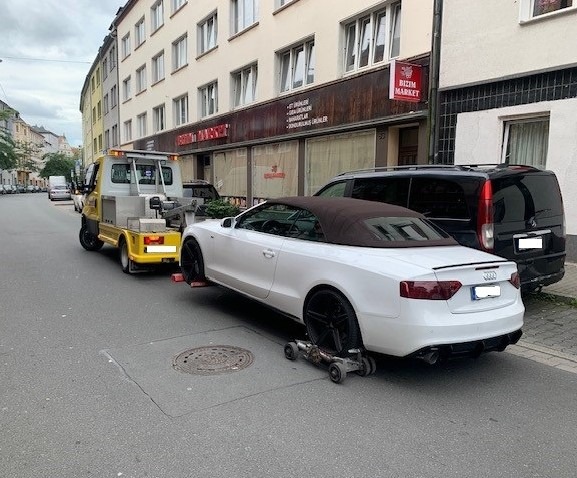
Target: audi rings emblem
x=490 y=275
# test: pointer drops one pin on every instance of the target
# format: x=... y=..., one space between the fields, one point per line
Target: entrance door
x=408 y=146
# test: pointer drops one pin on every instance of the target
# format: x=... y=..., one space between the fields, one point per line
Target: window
x=128 y=130
x=156 y=16
x=112 y=58
x=93 y=86
x=139 y=33
x=113 y=96
x=373 y=38
x=297 y=66
x=115 y=135
x=146 y=174
x=107 y=139
x=526 y=142
x=99 y=109
x=94 y=115
x=179 y=53
x=106 y=104
x=141 y=79
x=141 y=125
x=208 y=97
x=540 y=7
x=94 y=145
x=158 y=118
x=97 y=75
x=177 y=5
x=105 y=68
x=125 y=45
x=99 y=142
x=244 y=14
x=244 y=84
x=180 y=106
x=207 y=32
x=158 y=67
x=126 y=93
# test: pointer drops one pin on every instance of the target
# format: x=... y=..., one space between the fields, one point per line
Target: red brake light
x=485 y=217
x=431 y=290
x=150 y=240
x=515 y=280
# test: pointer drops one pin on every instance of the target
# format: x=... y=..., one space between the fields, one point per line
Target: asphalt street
x=91 y=384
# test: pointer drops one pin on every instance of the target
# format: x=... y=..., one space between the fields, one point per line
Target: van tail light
x=431 y=290
x=153 y=240
x=515 y=280
x=485 y=230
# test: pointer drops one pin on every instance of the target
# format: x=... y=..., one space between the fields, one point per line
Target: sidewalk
x=550 y=329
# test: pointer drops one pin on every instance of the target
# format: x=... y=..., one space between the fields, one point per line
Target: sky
x=47 y=48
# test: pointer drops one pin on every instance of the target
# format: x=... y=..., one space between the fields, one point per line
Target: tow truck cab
x=134 y=202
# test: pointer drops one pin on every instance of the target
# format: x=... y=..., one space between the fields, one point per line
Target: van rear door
x=529 y=224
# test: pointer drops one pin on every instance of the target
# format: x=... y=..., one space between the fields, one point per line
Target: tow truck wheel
x=88 y=240
x=124 y=259
x=191 y=262
x=291 y=351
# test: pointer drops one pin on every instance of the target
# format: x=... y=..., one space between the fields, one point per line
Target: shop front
x=294 y=144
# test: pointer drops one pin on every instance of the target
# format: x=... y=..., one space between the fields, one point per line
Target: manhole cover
x=213 y=360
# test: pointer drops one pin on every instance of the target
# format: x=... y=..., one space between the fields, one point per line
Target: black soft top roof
x=343 y=220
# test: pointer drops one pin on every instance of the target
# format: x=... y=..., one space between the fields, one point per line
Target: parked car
x=512 y=211
x=14 y=188
x=30 y=188
x=3 y=189
x=59 y=192
x=203 y=191
x=361 y=274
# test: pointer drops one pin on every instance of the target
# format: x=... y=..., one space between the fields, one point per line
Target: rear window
x=521 y=197
x=402 y=229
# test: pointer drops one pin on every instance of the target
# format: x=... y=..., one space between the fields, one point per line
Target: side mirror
x=227 y=222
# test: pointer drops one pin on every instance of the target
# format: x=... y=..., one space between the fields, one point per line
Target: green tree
x=8 y=156
x=57 y=164
x=25 y=152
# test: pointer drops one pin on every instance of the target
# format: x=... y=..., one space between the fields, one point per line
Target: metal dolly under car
x=362 y=365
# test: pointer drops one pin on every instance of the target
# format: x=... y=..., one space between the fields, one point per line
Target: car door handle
x=268 y=253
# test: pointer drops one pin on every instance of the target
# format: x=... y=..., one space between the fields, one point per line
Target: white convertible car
x=361 y=274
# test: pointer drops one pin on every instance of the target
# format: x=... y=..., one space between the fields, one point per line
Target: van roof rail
x=455 y=167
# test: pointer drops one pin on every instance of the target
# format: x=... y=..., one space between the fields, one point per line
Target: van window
x=383 y=189
x=519 y=198
x=438 y=198
x=336 y=190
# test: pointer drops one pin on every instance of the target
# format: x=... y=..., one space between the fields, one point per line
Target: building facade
x=269 y=98
x=508 y=89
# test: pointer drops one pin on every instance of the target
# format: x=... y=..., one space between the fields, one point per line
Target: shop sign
x=405 y=81
x=214 y=132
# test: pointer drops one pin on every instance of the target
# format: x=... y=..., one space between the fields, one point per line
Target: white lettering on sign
x=299 y=114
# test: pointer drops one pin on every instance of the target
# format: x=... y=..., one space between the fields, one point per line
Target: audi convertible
x=361 y=275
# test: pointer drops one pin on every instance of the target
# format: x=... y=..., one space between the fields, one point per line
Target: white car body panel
x=280 y=272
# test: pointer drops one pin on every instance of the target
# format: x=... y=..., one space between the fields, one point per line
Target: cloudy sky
x=47 y=48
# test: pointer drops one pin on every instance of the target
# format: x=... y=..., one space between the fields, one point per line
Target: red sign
x=405 y=82
x=214 y=132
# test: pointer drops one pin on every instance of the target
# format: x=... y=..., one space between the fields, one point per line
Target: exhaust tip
x=430 y=357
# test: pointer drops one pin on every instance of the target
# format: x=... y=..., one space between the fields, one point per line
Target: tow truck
x=134 y=202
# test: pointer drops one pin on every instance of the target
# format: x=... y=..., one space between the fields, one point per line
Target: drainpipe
x=434 y=82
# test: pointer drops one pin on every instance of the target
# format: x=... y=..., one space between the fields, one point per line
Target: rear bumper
x=541 y=271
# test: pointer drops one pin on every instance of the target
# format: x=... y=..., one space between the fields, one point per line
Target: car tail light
x=431 y=290
x=515 y=280
x=150 y=240
x=485 y=231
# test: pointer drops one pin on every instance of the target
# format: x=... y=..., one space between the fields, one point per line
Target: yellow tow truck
x=134 y=202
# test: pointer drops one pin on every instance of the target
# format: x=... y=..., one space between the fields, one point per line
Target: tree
x=25 y=153
x=8 y=156
x=57 y=164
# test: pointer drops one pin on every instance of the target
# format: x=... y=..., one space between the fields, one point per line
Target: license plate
x=164 y=249
x=530 y=243
x=485 y=291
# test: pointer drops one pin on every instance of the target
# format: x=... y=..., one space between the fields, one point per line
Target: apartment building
x=271 y=98
x=508 y=89
x=31 y=143
x=110 y=119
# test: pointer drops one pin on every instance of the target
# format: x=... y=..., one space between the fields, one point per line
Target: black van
x=512 y=211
